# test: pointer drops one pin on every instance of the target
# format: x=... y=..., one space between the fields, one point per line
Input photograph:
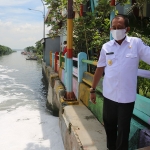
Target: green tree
x=30 y=48
x=55 y=18
x=4 y=50
x=39 y=48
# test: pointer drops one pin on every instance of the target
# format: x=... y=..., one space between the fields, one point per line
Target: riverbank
x=8 y=53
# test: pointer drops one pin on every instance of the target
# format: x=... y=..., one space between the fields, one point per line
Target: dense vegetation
x=29 y=49
x=38 y=49
x=4 y=50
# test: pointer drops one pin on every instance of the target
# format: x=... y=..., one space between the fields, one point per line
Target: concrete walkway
x=81 y=130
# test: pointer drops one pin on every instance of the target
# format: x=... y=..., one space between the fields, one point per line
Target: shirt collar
x=127 y=39
x=112 y=42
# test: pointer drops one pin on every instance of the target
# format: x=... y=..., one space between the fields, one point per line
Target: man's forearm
x=98 y=74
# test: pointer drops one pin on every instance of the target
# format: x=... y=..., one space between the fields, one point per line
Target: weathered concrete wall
x=46 y=70
x=55 y=91
x=43 y=66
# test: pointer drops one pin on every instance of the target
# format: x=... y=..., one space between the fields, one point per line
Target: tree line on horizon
x=4 y=50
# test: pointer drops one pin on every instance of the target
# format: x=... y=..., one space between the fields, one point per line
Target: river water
x=25 y=123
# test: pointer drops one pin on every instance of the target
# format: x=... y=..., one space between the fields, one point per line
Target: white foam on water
x=11 y=70
x=4 y=69
x=25 y=124
x=26 y=129
x=23 y=86
x=8 y=97
x=4 y=77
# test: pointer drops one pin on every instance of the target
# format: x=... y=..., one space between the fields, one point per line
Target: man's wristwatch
x=92 y=90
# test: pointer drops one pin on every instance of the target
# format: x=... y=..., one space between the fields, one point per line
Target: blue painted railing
x=77 y=71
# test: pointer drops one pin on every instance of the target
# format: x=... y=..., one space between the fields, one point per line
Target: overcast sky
x=20 y=27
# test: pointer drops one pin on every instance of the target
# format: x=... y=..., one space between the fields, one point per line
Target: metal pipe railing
x=144 y=73
x=90 y=62
x=75 y=59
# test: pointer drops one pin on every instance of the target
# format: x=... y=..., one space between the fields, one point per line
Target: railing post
x=65 y=67
x=56 y=58
x=92 y=5
x=53 y=60
x=82 y=67
x=58 y=63
x=60 y=59
x=50 y=58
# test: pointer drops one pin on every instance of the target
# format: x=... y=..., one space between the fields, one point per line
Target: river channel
x=25 y=123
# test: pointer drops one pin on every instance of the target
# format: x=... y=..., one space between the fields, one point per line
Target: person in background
x=65 y=47
x=119 y=59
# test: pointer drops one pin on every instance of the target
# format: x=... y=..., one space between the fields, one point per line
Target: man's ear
x=128 y=29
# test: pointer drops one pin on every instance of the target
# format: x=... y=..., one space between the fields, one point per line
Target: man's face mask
x=118 y=34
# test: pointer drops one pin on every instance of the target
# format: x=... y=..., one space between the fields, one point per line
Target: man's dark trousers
x=117 y=117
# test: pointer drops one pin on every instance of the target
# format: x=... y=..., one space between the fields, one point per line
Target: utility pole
x=70 y=94
x=43 y=19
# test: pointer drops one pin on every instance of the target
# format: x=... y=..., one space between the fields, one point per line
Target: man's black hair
x=126 y=20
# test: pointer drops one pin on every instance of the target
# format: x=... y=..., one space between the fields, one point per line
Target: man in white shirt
x=119 y=59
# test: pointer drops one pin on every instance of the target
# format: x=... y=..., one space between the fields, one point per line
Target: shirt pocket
x=111 y=60
x=131 y=60
x=130 y=55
